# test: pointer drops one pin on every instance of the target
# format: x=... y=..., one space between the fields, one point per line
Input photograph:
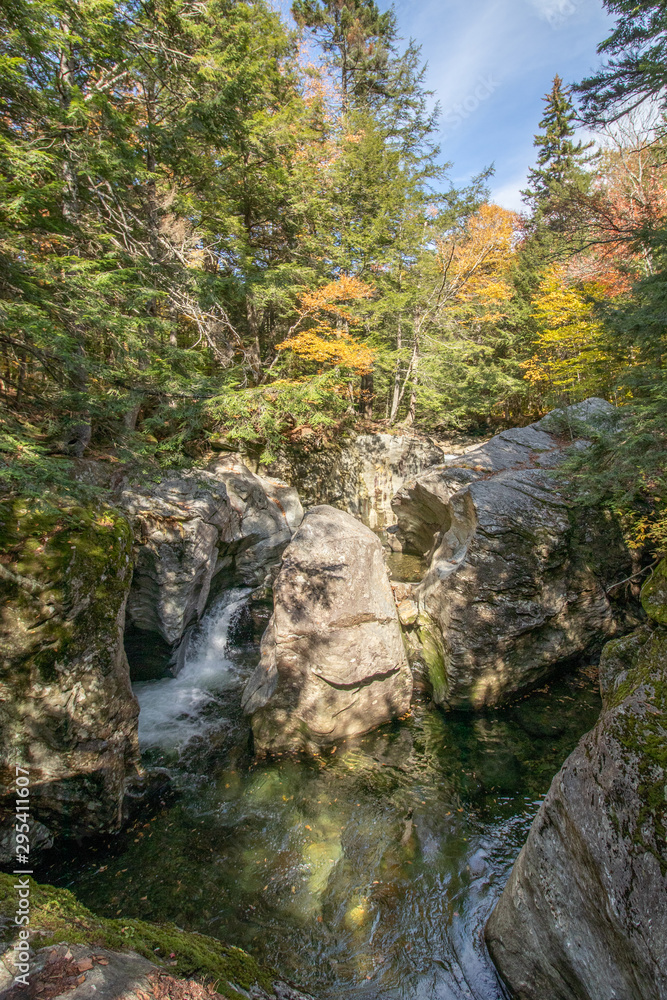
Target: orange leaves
x=475 y=262
x=329 y=297
x=318 y=345
x=321 y=334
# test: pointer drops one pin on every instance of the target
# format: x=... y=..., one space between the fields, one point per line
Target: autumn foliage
x=478 y=262
x=322 y=334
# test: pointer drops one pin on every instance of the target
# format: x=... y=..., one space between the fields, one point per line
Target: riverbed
x=365 y=872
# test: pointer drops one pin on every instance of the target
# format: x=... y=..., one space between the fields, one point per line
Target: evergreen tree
x=637 y=70
x=357 y=38
x=561 y=162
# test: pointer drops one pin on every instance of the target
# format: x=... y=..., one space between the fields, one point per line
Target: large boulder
x=67 y=712
x=584 y=913
x=333 y=663
x=517 y=579
x=222 y=524
x=360 y=475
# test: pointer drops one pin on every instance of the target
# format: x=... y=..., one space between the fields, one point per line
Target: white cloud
x=508 y=195
x=555 y=12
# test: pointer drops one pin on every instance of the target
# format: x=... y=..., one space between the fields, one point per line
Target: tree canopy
x=217 y=231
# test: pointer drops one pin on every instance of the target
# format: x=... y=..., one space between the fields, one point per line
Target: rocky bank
x=584 y=914
x=66 y=705
x=79 y=585
x=517 y=576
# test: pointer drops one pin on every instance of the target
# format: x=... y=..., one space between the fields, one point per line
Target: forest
x=221 y=231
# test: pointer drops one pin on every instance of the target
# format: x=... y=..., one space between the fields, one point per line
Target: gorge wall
x=361 y=475
x=517 y=575
x=584 y=914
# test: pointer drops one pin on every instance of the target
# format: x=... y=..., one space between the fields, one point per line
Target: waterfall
x=173 y=710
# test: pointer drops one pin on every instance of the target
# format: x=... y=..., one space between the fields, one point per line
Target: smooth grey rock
x=361 y=475
x=517 y=578
x=333 y=663
x=595 y=412
x=189 y=529
x=584 y=913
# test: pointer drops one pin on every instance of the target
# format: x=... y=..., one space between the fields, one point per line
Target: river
x=365 y=872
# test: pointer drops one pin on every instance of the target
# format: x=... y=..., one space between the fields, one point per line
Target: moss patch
x=654 y=594
x=57 y=916
x=433 y=654
x=66 y=573
x=639 y=723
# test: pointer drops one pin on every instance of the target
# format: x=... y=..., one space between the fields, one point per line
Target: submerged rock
x=584 y=913
x=517 y=577
x=333 y=661
x=361 y=475
x=222 y=524
x=67 y=712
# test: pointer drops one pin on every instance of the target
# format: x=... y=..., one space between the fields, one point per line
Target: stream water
x=366 y=872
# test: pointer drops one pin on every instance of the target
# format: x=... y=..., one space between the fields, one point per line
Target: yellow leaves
x=474 y=263
x=321 y=341
x=570 y=352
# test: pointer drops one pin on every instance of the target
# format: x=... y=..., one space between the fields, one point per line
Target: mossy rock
x=434 y=657
x=66 y=706
x=654 y=594
x=57 y=916
x=634 y=675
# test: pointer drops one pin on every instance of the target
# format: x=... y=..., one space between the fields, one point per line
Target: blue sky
x=490 y=63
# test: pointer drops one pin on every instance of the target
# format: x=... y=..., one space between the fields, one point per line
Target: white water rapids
x=173 y=710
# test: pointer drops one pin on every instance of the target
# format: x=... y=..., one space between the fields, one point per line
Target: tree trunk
x=366 y=396
x=65 y=83
x=130 y=416
x=396 y=397
x=412 y=409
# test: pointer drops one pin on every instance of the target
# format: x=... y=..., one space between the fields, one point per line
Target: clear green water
x=367 y=872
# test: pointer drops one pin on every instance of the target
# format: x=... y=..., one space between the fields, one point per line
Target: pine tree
x=636 y=71
x=357 y=37
x=561 y=162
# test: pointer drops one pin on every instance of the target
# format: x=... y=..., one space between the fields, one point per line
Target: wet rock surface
x=333 y=662
x=517 y=577
x=584 y=913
